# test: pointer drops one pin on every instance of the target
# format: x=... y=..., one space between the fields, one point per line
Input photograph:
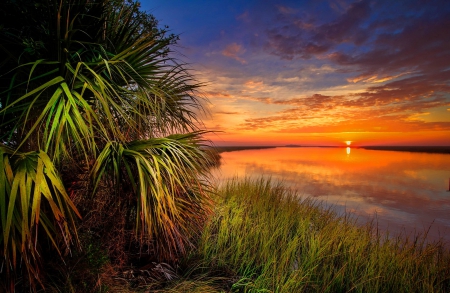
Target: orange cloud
x=253 y=84
x=217 y=94
x=234 y=51
x=227 y=112
x=376 y=78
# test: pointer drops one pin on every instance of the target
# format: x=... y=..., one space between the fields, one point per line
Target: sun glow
x=348 y=142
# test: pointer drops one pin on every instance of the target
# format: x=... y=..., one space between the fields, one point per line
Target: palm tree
x=89 y=93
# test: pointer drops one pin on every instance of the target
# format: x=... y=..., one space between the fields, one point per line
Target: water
x=405 y=192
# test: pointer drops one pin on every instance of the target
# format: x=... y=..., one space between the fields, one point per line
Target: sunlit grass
x=263 y=238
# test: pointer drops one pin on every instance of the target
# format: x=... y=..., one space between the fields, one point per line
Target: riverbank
x=261 y=238
x=223 y=149
x=420 y=149
x=416 y=149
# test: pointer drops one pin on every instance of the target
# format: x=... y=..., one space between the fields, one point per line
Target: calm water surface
x=407 y=192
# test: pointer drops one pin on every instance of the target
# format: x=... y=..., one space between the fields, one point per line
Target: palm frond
x=168 y=182
x=93 y=83
x=32 y=198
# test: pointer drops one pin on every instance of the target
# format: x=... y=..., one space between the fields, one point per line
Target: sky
x=317 y=72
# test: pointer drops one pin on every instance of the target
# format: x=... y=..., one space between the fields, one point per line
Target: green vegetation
x=104 y=177
x=262 y=238
x=98 y=142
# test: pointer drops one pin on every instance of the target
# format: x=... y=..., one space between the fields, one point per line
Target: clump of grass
x=187 y=285
x=264 y=238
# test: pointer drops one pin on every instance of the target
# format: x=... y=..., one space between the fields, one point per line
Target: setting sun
x=348 y=142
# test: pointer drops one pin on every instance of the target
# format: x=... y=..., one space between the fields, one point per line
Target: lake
x=406 y=192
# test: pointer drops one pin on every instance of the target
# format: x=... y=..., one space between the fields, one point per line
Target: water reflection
x=406 y=191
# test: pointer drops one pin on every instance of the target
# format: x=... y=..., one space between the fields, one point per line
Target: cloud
x=421 y=46
x=298 y=123
x=253 y=84
x=378 y=42
x=400 y=51
x=217 y=94
x=376 y=78
x=286 y=9
x=379 y=109
x=244 y=16
x=234 y=51
x=228 y=113
x=297 y=38
x=354 y=66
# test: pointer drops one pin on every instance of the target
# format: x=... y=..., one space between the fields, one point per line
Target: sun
x=348 y=142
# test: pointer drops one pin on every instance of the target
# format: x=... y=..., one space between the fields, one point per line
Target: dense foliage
x=98 y=137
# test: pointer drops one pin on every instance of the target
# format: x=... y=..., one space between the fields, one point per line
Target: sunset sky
x=317 y=72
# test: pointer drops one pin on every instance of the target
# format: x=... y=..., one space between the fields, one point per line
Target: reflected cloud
x=405 y=189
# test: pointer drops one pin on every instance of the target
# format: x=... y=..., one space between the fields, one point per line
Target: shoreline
x=413 y=149
x=224 y=149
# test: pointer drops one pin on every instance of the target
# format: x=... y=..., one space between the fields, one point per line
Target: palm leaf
x=31 y=194
x=93 y=81
x=170 y=186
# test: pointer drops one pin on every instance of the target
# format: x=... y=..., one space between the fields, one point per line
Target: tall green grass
x=263 y=238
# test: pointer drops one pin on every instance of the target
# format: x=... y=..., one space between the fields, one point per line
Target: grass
x=263 y=238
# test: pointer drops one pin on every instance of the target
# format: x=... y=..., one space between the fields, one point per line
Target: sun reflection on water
x=405 y=189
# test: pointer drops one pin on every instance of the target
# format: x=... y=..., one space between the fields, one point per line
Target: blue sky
x=318 y=72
